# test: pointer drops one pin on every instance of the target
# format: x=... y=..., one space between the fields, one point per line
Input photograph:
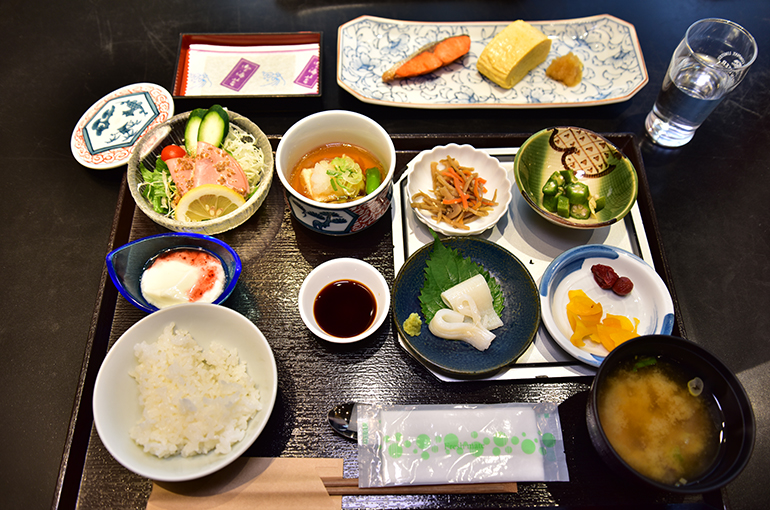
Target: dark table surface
x=709 y=198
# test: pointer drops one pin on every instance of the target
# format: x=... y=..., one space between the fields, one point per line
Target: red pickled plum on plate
x=623 y=286
x=604 y=276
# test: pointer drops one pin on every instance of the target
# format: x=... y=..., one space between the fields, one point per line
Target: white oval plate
x=116 y=394
x=613 y=65
x=105 y=135
x=649 y=301
x=489 y=168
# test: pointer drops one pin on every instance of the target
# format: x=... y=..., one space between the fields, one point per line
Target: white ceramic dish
x=489 y=168
x=116 y=394
x=608 y=47
x=343 y=269
x=649 y=301
x=106 y=134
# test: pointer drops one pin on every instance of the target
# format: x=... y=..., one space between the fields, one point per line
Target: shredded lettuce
x=444 y=269
x=158 y=186
x=243 y=147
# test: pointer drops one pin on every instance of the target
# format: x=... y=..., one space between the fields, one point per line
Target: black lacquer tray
x=277 y=253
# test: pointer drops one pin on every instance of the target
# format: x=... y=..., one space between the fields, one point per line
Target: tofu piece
x=317 y=182
x=512 y=53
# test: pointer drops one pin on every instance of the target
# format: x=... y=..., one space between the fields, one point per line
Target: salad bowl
x=171 y=132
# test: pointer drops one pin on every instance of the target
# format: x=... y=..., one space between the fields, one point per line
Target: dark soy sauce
x=345 y=308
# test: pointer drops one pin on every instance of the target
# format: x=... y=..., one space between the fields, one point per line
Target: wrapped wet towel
x=437 y=444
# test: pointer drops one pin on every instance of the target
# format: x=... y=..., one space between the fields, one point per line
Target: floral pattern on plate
x=367 y=46
x=105 y=135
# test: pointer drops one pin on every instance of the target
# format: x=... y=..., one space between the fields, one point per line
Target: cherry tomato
x=171 y=152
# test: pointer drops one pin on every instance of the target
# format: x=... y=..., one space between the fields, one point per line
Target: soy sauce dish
x=344 y=300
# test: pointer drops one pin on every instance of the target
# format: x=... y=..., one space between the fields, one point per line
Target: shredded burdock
x=458 y=195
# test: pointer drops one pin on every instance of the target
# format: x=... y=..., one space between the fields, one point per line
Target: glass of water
x=711 y=60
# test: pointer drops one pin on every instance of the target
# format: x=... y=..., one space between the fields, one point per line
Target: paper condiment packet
x=440 y=444
x=214 y=70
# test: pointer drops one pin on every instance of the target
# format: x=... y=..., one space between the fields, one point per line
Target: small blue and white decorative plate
x=106 y=134
x=649 y=301
x=608 y=47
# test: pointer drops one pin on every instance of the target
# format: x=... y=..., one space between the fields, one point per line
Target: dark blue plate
x=521 y=314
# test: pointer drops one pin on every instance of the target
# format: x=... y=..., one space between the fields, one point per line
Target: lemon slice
x=207 y=202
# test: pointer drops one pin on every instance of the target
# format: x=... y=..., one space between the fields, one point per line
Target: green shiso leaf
x=444 y=269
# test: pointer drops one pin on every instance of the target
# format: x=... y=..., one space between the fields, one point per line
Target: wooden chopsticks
x=338 y=486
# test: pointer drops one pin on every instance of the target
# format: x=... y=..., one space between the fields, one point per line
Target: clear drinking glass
x=709 y=62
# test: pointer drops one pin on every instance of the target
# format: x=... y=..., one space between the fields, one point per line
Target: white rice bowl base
x=193 y=400
x=116 y=402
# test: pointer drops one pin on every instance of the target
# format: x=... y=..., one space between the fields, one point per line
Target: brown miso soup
x=345 y=308
x=312 y=168
x=660 y=426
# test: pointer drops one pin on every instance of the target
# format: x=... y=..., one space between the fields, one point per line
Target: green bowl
x=591 y=158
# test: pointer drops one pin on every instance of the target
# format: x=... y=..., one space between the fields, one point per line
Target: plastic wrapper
x=467 y=443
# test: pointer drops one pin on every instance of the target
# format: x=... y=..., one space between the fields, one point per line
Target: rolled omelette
x=512 y=53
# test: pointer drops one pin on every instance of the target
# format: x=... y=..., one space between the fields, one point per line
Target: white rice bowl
x=116 y=401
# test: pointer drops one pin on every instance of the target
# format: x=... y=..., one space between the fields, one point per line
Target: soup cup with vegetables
x=337 y=170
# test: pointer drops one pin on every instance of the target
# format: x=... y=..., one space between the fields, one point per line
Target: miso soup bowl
x=336 y=126
x=734 y=409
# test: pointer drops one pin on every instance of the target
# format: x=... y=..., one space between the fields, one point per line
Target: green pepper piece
x=549 y=203
x=601 y=202
x=373 y=179
x=580 y=211
x=562 y=206
x=557 y=177
x=550 y=188
x=577 y=192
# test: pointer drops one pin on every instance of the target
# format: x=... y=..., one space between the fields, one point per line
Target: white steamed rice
x=192 y=400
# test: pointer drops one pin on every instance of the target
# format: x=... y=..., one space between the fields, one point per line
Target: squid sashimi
x=473 y=299
x=452 y=325
x=429 y=58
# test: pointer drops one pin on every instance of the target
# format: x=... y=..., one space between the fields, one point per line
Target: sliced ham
x=212 y=165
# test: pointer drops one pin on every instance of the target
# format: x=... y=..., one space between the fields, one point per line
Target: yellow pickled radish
x=207 y=202
x=585 y=319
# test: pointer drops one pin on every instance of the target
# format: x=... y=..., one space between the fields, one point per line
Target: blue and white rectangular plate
x=613 y=66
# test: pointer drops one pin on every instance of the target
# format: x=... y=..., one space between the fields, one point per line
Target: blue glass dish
x=127 y=263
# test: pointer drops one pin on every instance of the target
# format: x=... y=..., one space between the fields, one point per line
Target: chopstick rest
x=459 y=444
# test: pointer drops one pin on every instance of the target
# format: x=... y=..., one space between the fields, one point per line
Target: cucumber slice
x=191 y=130
x=214 y=126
